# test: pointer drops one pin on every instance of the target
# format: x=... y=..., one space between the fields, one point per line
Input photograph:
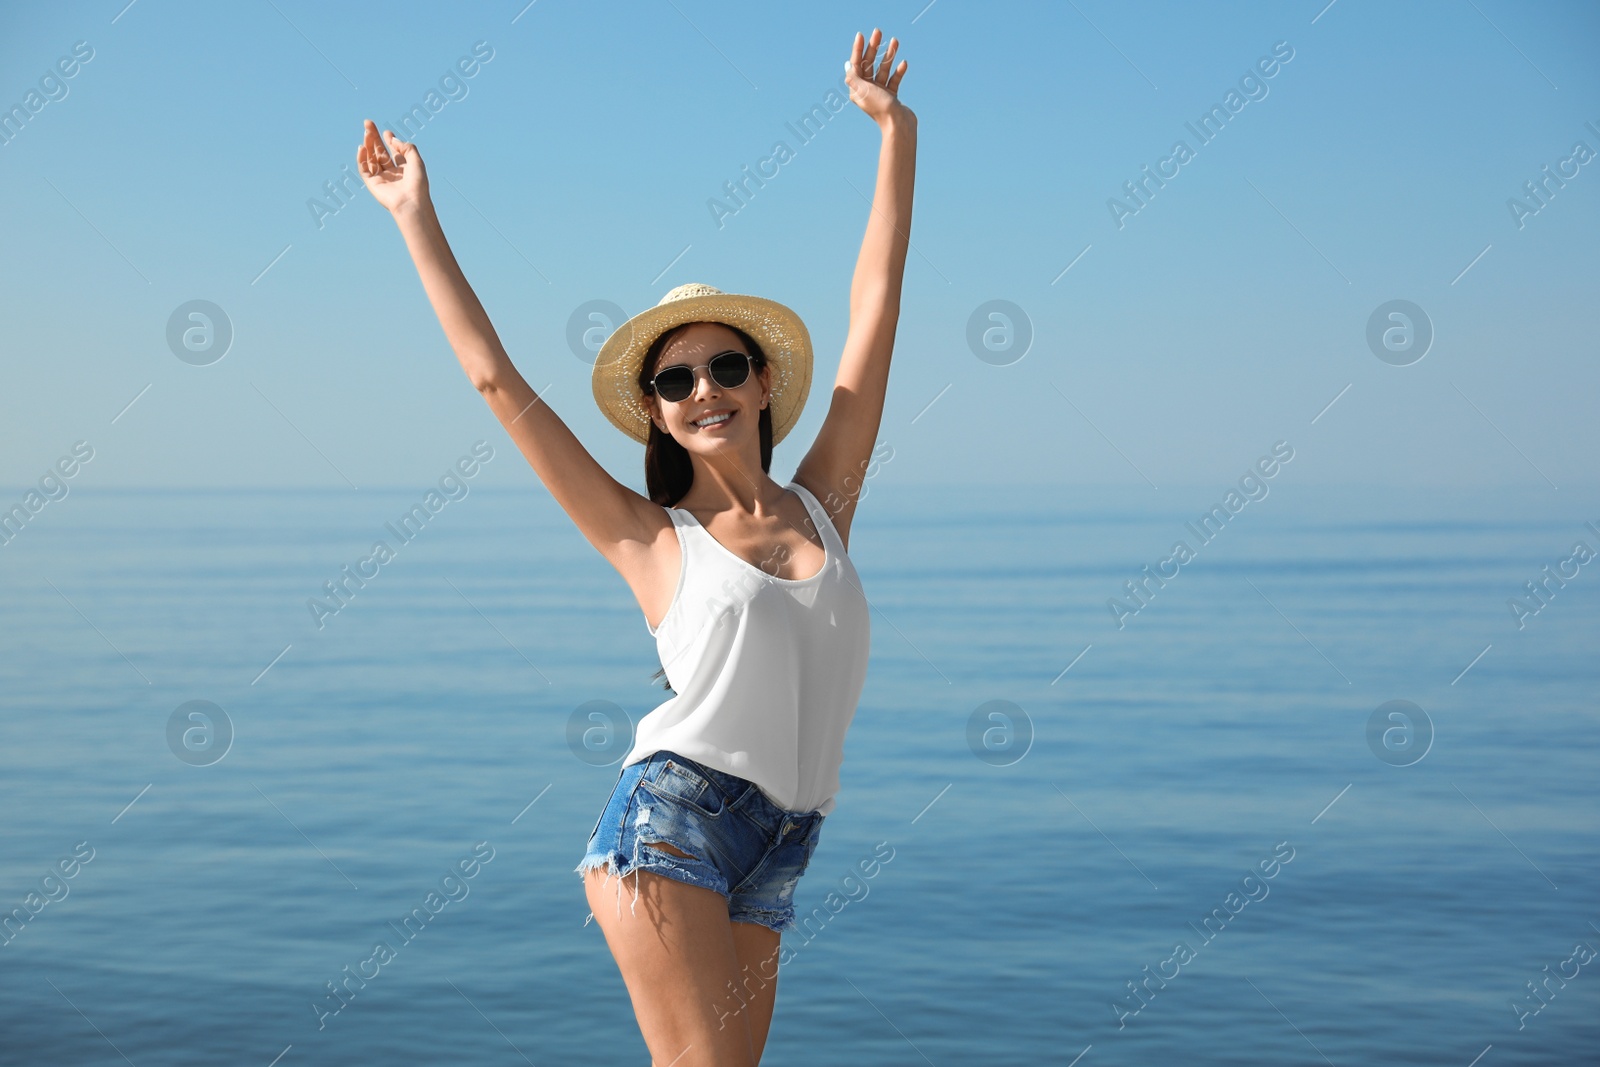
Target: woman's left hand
x=875 y=91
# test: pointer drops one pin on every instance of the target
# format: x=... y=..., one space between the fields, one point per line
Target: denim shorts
x=742 y=845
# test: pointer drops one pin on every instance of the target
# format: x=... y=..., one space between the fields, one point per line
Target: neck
x=728 y=483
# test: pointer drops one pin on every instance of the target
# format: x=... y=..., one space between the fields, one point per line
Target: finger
x=855 y=68
x=397 y=148
x=888 y=61
x=408 y=151
x=377 y=158
x=894 y=82
x=373 y=143
x=872 y=51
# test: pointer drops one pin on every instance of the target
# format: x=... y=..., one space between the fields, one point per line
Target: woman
x=757 y=612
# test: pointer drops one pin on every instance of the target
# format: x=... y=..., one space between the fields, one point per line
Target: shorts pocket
x=674 y=781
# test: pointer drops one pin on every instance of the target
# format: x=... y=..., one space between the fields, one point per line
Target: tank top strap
x=820 y=519
x=685 y=523
x=705 y=559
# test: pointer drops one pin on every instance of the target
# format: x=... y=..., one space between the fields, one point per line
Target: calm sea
x=1066 y=802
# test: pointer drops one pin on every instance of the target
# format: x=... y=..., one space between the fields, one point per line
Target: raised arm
x=836 y=466
x=612 y=516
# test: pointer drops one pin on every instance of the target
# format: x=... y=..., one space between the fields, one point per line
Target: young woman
x=756 y=609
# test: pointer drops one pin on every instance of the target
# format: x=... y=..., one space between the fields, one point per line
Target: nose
x=702 y=375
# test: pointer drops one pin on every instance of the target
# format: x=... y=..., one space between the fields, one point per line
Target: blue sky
x=577 y=163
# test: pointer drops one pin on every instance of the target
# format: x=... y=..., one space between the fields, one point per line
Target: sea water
x=1193 y=830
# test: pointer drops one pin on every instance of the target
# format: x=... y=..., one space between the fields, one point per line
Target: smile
x=713 y=420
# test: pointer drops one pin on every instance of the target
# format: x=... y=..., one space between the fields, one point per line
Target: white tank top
x=767 y=670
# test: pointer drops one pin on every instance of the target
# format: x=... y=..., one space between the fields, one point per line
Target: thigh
x=757 y=987
x=677 y=956
x=761 y=906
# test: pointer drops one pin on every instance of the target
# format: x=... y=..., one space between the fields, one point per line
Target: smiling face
x=686 y=421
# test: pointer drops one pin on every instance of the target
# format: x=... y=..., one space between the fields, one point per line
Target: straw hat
x=780 y=333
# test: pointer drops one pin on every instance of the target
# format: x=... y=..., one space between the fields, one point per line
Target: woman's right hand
x=393 y=182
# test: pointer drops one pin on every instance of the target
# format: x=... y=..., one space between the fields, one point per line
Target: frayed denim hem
x=775 y=921
x=618 y=865
x=613 y=862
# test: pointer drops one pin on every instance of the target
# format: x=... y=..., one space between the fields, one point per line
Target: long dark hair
x=668 y=471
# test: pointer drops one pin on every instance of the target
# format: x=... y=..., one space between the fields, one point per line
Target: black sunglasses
x=728 y=369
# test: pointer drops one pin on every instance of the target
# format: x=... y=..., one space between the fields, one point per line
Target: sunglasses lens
x=675 y=384
x=730 y=369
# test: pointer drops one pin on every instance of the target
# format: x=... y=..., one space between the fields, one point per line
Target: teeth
x=714 y=420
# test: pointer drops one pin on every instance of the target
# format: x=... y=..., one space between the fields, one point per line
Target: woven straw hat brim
x=783 y=338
